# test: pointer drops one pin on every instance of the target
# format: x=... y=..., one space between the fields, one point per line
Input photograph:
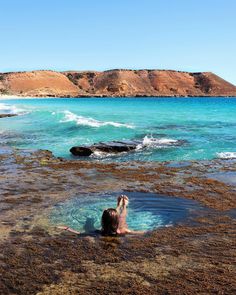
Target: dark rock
x=7 y=115
x=106 y=147
x=81 y=151
x=115 y=147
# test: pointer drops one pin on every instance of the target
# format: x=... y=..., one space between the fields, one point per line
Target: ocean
x=170 y=129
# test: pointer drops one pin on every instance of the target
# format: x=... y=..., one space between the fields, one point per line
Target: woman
x=113 y=220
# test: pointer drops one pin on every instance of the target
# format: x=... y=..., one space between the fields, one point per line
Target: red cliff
x=114 y=83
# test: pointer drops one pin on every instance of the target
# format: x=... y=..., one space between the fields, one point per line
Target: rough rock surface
x=114 y=83
x=37 y=258
x=37 y=83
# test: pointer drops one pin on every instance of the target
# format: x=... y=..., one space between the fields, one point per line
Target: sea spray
x=151 y=142
x=226 y=155
x=12 y=109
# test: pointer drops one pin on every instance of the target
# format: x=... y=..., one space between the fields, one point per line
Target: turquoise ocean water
x=205 y=127
x=168 y=129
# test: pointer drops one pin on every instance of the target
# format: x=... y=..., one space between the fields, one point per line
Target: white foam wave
x=11 y=109
x=149 y=141
x=227 y=155
x=103 y=155
x=99 y=154
x=87 y=121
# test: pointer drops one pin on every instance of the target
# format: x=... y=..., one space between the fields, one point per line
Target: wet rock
x=116 y=147
x=170 y=260
x=7 y=115
x=105 y=147
x=81 y=151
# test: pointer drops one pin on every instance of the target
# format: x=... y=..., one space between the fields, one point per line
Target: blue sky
x=191 y=35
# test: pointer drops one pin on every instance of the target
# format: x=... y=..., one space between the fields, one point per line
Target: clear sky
x=191 y=35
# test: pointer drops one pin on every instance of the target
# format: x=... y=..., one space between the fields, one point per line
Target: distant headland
x=114 y=83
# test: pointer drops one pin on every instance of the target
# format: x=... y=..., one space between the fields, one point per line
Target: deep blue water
x=206 y=127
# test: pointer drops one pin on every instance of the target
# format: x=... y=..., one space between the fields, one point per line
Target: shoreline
x=16 y=97
x=13 y=97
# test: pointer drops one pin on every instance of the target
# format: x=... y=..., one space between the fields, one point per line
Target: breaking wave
x=151 y=142
x=87 y=121
x=227 y=155
x=11 y=109
x=147 y=143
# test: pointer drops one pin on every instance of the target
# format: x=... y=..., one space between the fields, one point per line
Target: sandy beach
x=12 y=97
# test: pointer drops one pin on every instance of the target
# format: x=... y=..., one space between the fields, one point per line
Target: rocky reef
x=37 y=258
x=114 y=83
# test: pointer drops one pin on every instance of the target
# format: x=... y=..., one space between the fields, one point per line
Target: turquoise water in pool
x=146 y=211
x=206 y=127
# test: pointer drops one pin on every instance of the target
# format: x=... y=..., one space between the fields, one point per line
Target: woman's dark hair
x=110 y=222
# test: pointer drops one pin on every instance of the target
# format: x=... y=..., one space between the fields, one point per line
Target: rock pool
x=146 y=211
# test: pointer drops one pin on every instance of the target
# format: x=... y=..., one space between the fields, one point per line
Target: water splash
x=11 y=109
x=151 y=142
x=227 y=155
